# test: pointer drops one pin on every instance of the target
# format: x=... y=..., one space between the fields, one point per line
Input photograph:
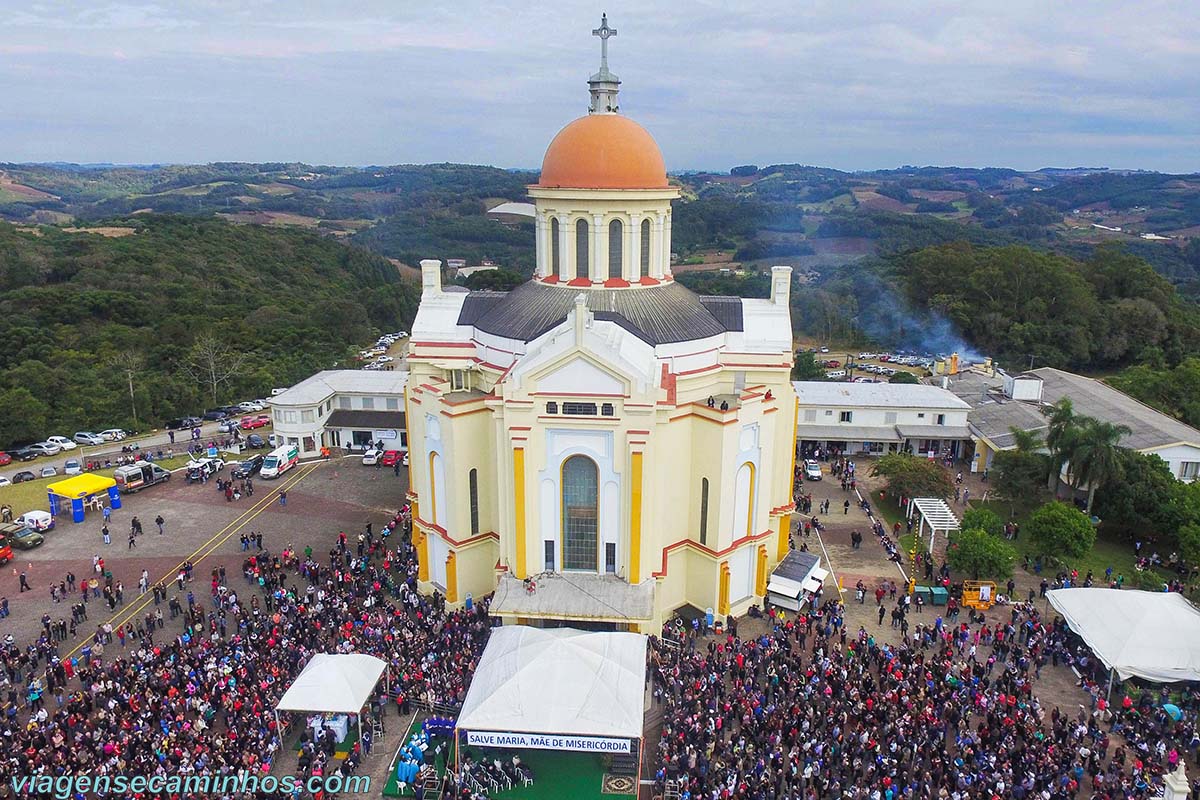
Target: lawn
x=1106 y=552
x=31 y=495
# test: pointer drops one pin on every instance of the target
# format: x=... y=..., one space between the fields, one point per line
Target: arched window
x=704 y=511
x=580 y=509
x=581 y=249
x=616 y=243
x=473 y=487
x=743 y=501
x=555 y=255
x=644 y=269
x=437 y=489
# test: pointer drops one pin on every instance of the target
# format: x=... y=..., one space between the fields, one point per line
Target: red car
x=5 y=458
x=390 y=457
x=250 y=423
x=832 y=364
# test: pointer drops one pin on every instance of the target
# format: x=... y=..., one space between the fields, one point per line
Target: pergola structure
x=934 y=513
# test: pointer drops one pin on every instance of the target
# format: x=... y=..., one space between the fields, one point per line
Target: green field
x=31 y=495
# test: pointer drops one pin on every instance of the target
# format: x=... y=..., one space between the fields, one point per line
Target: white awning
x=812 y=584
x=558 y=681
x=334 y=683
x=784 y=588
x=1150 y=635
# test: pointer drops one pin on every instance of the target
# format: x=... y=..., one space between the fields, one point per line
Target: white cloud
x=862 y=84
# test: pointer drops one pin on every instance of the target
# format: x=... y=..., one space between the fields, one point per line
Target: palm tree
x=1060 y=437
x=1025 y=441
x=1096 y=455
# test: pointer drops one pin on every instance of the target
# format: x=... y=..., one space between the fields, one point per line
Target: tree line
x=107 y=331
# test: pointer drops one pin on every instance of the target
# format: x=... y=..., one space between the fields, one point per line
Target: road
x=150 y=441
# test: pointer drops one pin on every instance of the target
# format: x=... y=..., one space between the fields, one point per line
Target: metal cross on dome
x=604 y=32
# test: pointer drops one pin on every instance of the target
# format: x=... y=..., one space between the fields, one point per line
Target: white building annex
x=342 y=408
x=878 y=418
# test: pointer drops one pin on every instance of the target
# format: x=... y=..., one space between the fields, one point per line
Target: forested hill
x=160 y=295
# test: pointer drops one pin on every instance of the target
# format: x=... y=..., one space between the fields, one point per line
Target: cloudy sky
x=852 y=84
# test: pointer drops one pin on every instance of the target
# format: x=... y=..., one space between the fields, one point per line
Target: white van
x=280 y=460
x=836 y=374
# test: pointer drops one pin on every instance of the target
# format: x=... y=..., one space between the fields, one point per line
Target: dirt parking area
x=201 y=526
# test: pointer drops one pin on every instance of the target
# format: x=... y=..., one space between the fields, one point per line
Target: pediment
x=580 y=375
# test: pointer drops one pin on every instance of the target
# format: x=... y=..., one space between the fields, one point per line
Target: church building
x=600 y=445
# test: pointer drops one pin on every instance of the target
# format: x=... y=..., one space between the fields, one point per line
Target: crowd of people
x=192 y=692
x=812 y=710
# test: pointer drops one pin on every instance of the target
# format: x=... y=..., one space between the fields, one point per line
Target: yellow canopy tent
x=78 y=488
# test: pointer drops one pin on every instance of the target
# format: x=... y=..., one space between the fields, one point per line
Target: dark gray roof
x=994 y=415
x=655 y=314
x=374 y=420
x=796 y=565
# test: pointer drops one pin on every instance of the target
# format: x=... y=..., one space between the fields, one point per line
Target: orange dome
x=603 y=151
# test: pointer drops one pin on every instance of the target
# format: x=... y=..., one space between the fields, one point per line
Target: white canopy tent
x=934 y=512
x=559 y=689
x=1150 y=635
x=333 y=683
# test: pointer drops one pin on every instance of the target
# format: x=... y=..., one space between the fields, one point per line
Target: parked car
x=228 y=425
x=812 y=470
x=5 y=481
x=46 y=448
x=84 y=437
x=251 y=405
x=23 y=475
x=25 y=454
x=139 y=475
x=384 y=360
x=113 y=434
x=174 y=424
x=38 y=520
x=372 y=456
x=192 y=422
x=255 y=442
x=49 y=472
x=204 y=467
x=215 y=414
x=63 y=442
x=390 y=457
x=72 y=467
x=20 y=536
x=248 y=467
x=404 y=461
x=251 y=423
x=5 y=459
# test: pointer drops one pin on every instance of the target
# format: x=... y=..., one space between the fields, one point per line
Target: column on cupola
x=666 y=244
x=657 y=245
x=566 y=248
x=541 y=240
x=633 y=248
x=597 y=240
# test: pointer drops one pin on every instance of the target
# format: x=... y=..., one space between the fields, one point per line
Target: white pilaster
x=633 y=248
x=599 y=265
x=566 y=248
x=666 y=242
x=657 y=247
x=541 y=252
